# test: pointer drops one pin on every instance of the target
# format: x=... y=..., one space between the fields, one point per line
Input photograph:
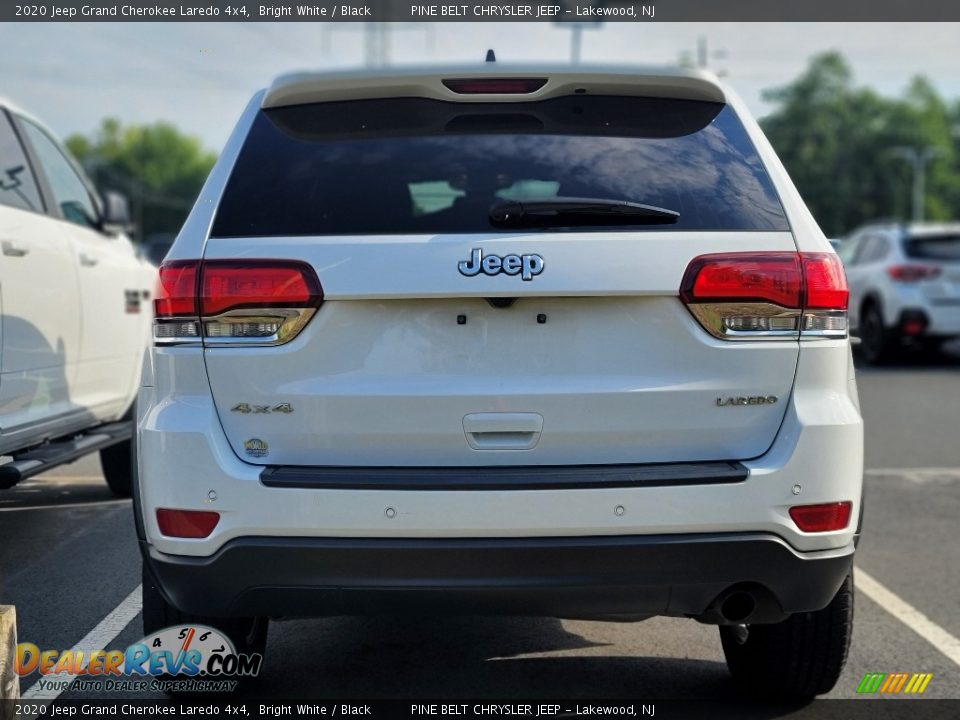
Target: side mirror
x=116 y=213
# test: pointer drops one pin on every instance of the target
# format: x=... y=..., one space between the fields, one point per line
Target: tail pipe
x=744 y=604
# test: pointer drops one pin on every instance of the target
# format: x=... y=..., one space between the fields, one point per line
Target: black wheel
x=877 y=345
x=796 y=659
x=249 y=635
x=117 y=464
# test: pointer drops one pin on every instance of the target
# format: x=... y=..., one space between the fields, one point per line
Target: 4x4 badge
x=526 y=266
x=246 y=409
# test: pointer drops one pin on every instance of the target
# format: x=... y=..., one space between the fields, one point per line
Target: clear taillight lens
x=227 y=302
x=767 y=296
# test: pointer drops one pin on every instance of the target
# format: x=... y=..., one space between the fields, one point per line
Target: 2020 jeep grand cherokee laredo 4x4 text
x=489 y=341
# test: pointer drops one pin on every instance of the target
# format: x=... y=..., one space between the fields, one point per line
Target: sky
x=200 y=75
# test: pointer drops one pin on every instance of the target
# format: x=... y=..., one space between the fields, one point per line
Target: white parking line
x=906 y=613
x=62 y=506
x=917 y=475
x=47 y=479
x=97 y=639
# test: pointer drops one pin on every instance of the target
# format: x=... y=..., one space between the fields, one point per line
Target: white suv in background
x=904 y=286
x=76 y=311
x=527 y=341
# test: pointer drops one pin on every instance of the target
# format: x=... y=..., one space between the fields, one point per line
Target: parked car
x=484 y=340
x=904 y=287
x=76 y=311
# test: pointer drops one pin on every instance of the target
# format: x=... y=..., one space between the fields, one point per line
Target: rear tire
x=877 y=344
x=117 y=464
x=248 y=635
x=796 y=659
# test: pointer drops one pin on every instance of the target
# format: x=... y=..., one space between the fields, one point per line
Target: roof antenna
x=491 y=57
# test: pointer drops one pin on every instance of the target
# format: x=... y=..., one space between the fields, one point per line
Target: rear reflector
x=767 y=296
x=186 y=523
x=913 y=273
x=495 y=86
x=913 y=326
x=822 y=518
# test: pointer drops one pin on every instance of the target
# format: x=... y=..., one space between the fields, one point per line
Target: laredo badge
x=255 y=447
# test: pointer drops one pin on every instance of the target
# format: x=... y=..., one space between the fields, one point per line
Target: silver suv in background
x=904 y=284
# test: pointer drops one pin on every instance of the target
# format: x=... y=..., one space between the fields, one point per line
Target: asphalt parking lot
x=69 y=562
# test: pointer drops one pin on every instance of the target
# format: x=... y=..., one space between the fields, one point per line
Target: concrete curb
x=9 y=682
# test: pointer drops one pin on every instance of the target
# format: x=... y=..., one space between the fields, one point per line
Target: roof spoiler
x=315 y=87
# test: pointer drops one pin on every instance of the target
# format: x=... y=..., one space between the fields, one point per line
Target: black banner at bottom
x=860 y=709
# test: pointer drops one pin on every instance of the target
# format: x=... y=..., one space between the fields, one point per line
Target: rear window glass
x=933 y=247
x=414 y=165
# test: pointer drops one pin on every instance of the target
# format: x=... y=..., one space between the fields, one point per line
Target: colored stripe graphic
x=894 y=683
x=871 y=682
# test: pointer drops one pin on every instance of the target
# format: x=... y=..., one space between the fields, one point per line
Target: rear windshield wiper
x=567 y=211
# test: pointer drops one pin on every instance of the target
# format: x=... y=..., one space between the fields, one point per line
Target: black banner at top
x=584 y=11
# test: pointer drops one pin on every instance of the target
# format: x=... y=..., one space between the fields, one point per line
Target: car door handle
x=11 y=249
x=88 y=260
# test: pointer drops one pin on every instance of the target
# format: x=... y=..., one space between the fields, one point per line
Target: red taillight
x=913 y=273
x=257 y=284
x=495 y=86
x=765 y=296
x=823 y=517
x=176 y=292
x=824 y=282
x=252 y=302
x=186 y=523
x=744 y=277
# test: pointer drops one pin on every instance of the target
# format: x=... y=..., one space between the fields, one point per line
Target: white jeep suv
x=526 y=341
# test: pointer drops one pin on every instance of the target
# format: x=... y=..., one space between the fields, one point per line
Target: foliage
x=160 y=169
x=836 y=141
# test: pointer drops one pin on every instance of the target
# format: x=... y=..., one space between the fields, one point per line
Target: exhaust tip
x=738 y=606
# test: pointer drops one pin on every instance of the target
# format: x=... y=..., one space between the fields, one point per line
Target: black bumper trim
x=598 y=576
x=510 y=477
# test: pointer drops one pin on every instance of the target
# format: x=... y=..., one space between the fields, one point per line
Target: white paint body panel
x=184 y=454
x=70 y=353
x=40 y=341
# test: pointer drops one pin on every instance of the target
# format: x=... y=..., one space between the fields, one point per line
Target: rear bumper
x=620 y=576
x=186 y=462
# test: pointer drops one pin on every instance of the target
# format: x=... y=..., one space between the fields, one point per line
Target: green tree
x=160 y=169
x=837 y=142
